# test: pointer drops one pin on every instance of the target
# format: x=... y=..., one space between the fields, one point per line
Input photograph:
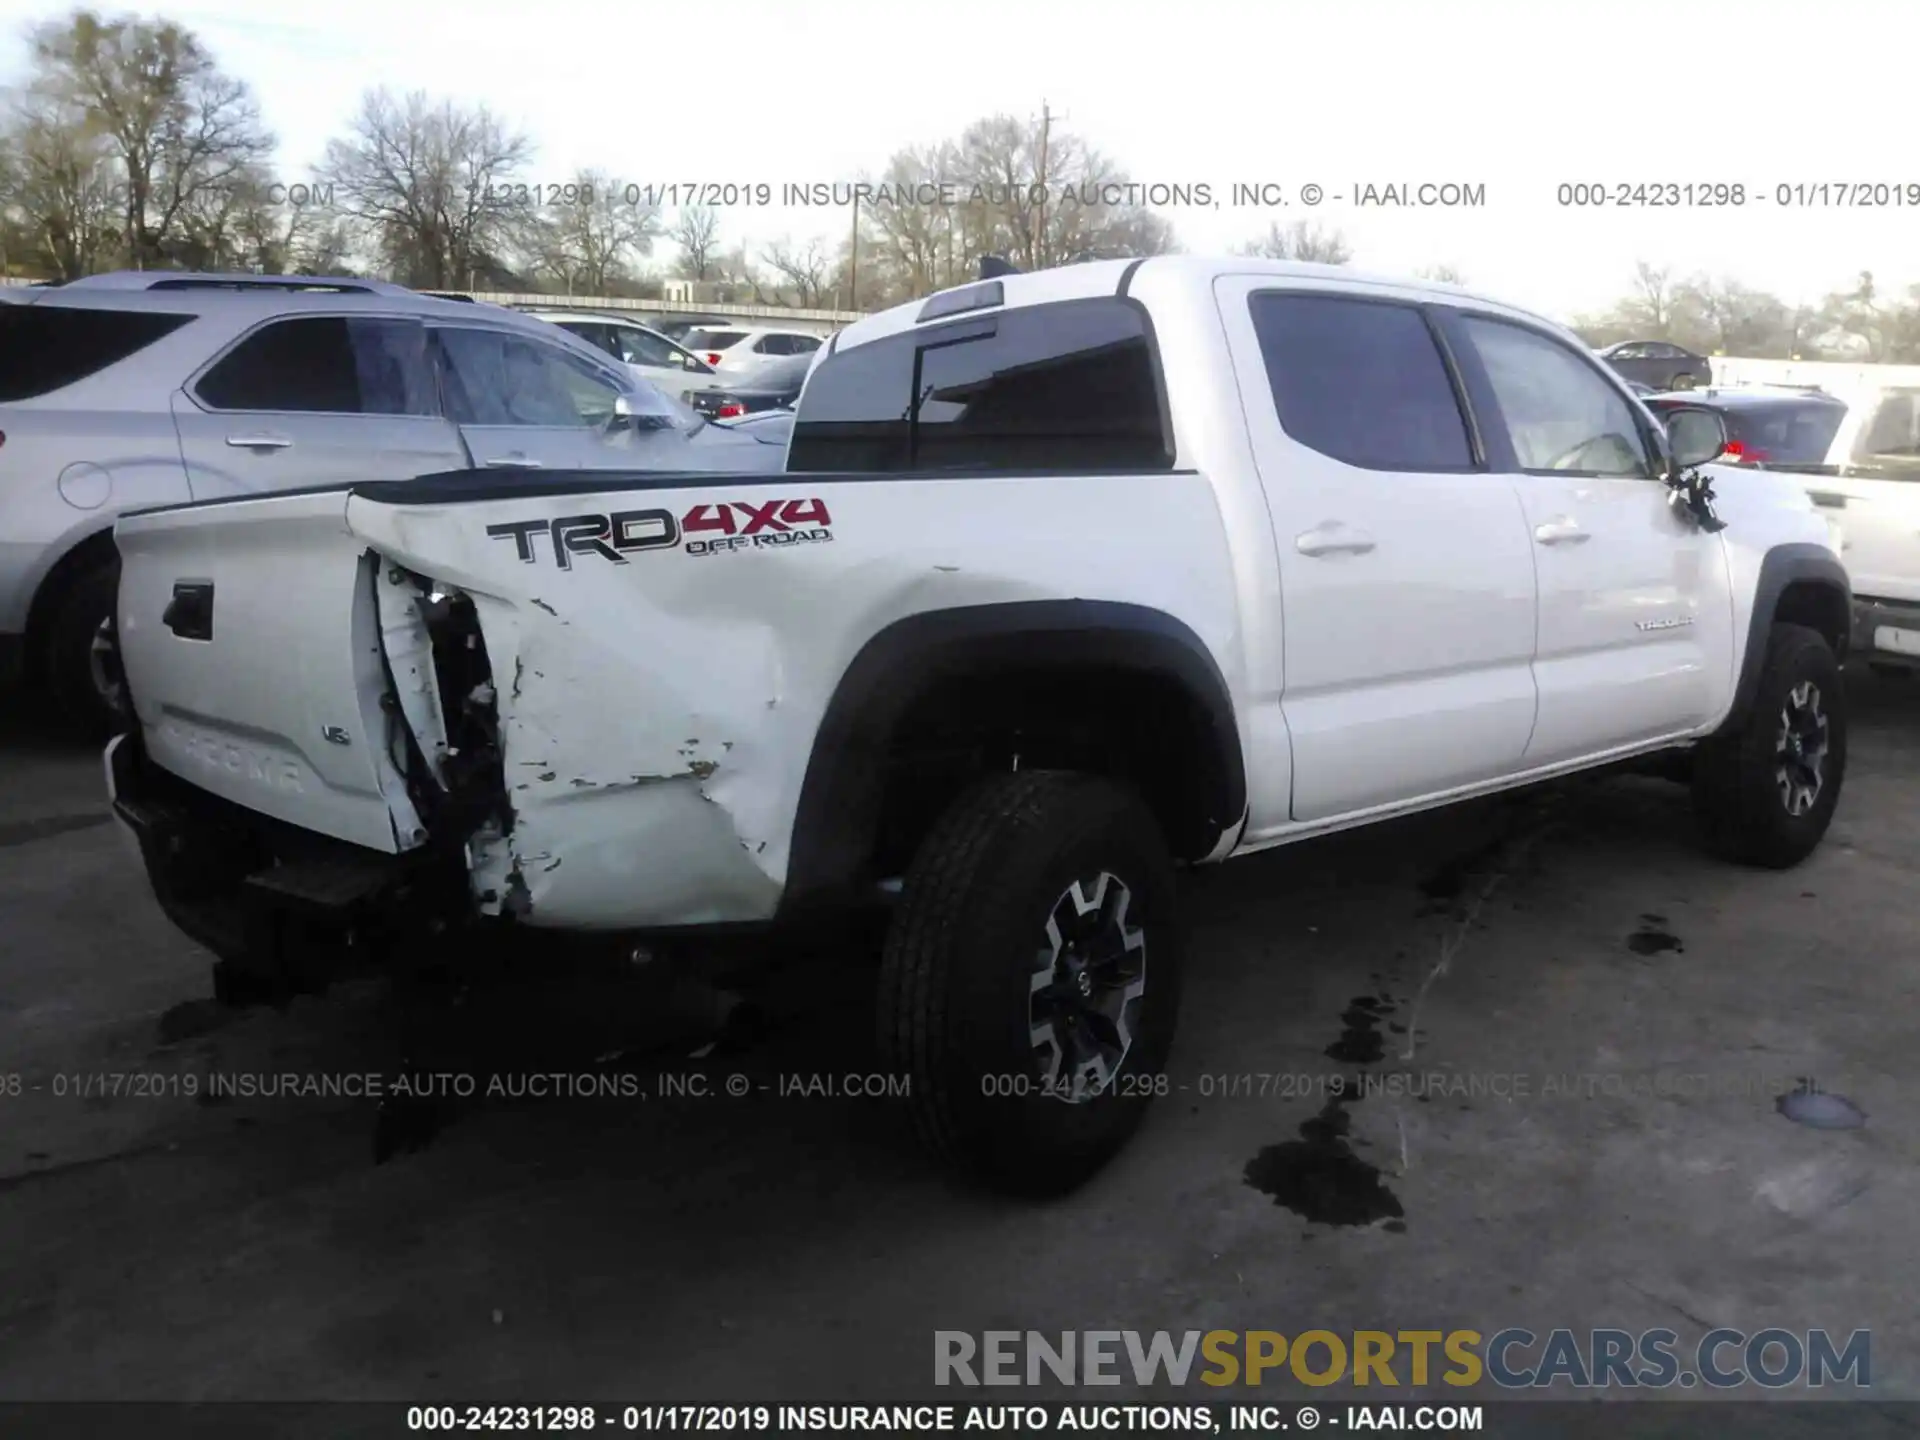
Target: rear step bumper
x=284 y=912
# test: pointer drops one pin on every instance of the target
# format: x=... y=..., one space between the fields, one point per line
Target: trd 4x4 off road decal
x=732 y=525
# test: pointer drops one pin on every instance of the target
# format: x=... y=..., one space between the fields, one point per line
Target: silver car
x=152 y=388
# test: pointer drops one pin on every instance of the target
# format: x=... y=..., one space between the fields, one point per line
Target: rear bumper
x=1871 y=617
x=289 y=911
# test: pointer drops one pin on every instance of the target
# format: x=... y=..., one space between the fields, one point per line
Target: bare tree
x=696 y=231
x=1861 y=319
x=590 y=238
x=1303 y=240
x=1442 y=275
x=179 y=127
x=63 y=189
x=432 y=186
x=1651 y=303
x=1022 y=188
x=806 y=271
x=1730 y=318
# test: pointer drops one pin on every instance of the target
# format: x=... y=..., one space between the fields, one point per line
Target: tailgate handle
x=1828 y=500
x=190 y=613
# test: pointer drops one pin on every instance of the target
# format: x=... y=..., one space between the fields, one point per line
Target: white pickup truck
x=1073 y=578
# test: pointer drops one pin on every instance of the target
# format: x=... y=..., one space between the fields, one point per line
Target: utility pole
x=1039 y=259
x=853 y=256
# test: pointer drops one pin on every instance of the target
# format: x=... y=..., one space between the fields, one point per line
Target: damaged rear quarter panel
x=657 y=712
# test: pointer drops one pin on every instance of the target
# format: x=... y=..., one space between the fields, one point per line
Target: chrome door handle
x=1559 y=532
x=1333 y=538
x=259 y=442
x=515 y=461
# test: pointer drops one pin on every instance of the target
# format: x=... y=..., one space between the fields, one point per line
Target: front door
x=1407 y=587
x=525 y=405
x=1636 y=627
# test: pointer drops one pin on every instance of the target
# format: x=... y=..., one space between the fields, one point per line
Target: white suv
x=152 y=388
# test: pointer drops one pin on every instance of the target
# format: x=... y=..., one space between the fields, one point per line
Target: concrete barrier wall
x=1833 y=376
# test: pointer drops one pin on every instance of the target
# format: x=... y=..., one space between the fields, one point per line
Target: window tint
x=1559 y=411
x=803 y=344
x=1631 y=352
x=1790 y=434
x=773 y=345
x=713 y=339
x=325 y=364
x=44 y=348
x=1071 y=385
x=494 y=378
x=1361 y=381
x=1889 y=441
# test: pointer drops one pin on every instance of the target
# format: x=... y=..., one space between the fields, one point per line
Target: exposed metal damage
x=586 y=822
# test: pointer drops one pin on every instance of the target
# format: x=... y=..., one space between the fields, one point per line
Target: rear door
x=1407 y=588
x=1635 y=626
x=314 y=400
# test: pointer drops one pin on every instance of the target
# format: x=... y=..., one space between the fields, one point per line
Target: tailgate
x=250 y=635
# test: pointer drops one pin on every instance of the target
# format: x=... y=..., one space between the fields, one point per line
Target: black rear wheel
x=1031 y=978
x=80 y=671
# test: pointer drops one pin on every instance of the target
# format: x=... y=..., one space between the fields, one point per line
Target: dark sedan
x=1766 y=426
x=774 y=386
x=1659 y=364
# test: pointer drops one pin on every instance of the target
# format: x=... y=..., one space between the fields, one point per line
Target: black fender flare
x=838 y=816
x=1780 y=567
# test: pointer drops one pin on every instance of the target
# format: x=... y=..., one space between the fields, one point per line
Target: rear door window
x=1888 y=445
x=325 y=364
x=44 y=348
x=1071 y=385
x=1362 y=381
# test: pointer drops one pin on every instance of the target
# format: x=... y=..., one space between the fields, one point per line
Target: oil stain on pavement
x=1653 y=937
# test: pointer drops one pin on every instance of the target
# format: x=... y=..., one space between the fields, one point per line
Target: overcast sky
x=1518 y=97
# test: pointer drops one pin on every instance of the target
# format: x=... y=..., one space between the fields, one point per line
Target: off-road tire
x=66 y=656
x=959 y=964
x=1736 y=794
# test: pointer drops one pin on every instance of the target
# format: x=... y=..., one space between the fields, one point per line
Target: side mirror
x=1695 y=436
x=622 y=418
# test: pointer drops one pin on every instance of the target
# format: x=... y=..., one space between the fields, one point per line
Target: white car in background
x=1870 y=489
x=647 y=353
x=738 y=352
